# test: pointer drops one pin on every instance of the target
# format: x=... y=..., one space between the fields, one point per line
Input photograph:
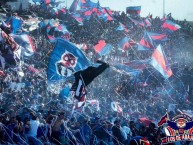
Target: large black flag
x=89 y=74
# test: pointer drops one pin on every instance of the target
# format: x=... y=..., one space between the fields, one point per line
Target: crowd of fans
x=33 y=113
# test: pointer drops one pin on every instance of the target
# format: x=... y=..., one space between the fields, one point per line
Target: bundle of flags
x=86 y=8
x=160 y=63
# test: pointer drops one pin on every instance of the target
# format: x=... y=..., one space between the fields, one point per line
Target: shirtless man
x=56 y=128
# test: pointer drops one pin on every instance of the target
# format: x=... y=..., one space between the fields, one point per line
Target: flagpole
x=163 y=8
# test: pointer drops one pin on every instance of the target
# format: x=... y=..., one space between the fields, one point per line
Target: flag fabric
x=5 y=25
x=102 y=48
x=126 y=43
x=57 y=31
x=89 y=4
x=133 y=10
x=150 y=40
x=54 y=11
x=73 y=6
x=51 y=38
x=156 y=37
x=170 y=26
x=122 y=27
x=48 y=1
x=122 y=68
x=159 y=62
x=78 y=18
x=146 y=43
x=89 y=73
x=163 y=120
x=108 y=10
x=79 y=105
x=64 y=32
x=138 y=64
x=26 y=43
x=87 y=13
x=58 y=10
x=79 y=93
x=77 y=5
x=138 y=22
x=65 y=59
x=8 y=40
x=147 y=22
x=62 y=10
x=106 y=15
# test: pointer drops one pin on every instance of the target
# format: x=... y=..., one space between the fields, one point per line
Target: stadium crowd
x=33 y=113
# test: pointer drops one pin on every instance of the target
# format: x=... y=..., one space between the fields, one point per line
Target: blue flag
x=65 y=59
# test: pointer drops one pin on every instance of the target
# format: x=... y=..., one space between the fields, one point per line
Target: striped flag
x=163 y=120
x=160 y=63
x=134 y=10
x=80 y=94
x=102 y=48
x=26 y=42
x=170 y=26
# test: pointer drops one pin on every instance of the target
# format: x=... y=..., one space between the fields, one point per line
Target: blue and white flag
x=65 y=59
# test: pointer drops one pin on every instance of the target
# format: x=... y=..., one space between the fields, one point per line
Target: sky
x=180 y=9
